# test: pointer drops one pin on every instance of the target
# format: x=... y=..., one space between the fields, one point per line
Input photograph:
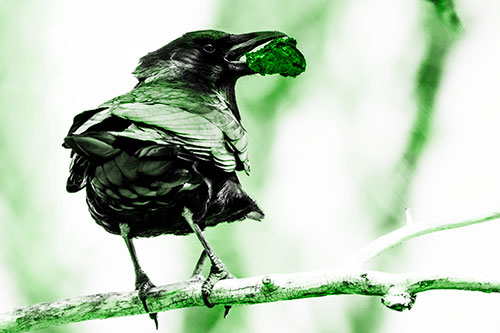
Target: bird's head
x=208 y=57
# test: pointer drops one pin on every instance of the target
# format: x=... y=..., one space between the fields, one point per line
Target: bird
x=163 y=158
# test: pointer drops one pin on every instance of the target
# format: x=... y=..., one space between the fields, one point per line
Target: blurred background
x=396 y=109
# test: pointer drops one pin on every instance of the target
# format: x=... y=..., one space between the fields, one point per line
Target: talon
x=226 y=311
x=206 y=290
x=143 y=284
x=218 y=272
x=154 y=317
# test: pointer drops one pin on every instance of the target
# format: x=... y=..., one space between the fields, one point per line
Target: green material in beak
x=280 y=56
x=241 y=44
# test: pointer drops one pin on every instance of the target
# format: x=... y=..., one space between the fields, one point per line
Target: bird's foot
x=143 y=284
x=218 y=272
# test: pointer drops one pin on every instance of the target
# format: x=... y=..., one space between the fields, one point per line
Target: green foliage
x=280 y=56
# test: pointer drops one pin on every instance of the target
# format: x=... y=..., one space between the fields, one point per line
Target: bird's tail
x=232 y=203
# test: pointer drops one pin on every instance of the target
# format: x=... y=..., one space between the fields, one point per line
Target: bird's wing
x=213 y=133
x=197 y=117
x=205 y=137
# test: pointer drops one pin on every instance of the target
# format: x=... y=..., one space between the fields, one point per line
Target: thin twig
x=409 y=231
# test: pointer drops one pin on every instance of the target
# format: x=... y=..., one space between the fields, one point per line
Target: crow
x=162 y=158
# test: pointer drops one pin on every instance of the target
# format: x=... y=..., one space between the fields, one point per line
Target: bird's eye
x=209 y=48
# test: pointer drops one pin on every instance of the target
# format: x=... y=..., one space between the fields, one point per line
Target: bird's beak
x=241 y=44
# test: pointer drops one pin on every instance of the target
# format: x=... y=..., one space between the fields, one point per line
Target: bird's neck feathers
x=172 y=74
x=226 y=89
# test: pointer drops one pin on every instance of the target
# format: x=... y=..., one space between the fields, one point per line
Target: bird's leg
x=218 y=271
x=199 y=267
x=142 y=282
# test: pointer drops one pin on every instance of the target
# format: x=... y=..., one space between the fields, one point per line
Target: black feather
x=81 y=118
x=79 y=169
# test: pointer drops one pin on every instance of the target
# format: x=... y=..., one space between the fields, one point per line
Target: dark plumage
x=174 y=142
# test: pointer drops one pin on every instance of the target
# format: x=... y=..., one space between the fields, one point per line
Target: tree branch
x=409 y=231
x=398 y=291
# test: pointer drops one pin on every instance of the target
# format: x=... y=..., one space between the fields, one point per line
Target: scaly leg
x=218 y=271
x=142 y=282
x=199 y=267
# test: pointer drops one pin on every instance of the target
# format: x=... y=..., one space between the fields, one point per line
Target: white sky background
x=92 y=47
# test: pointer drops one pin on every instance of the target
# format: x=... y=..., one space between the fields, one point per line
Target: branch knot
x=268 y=284
x=398 y=299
